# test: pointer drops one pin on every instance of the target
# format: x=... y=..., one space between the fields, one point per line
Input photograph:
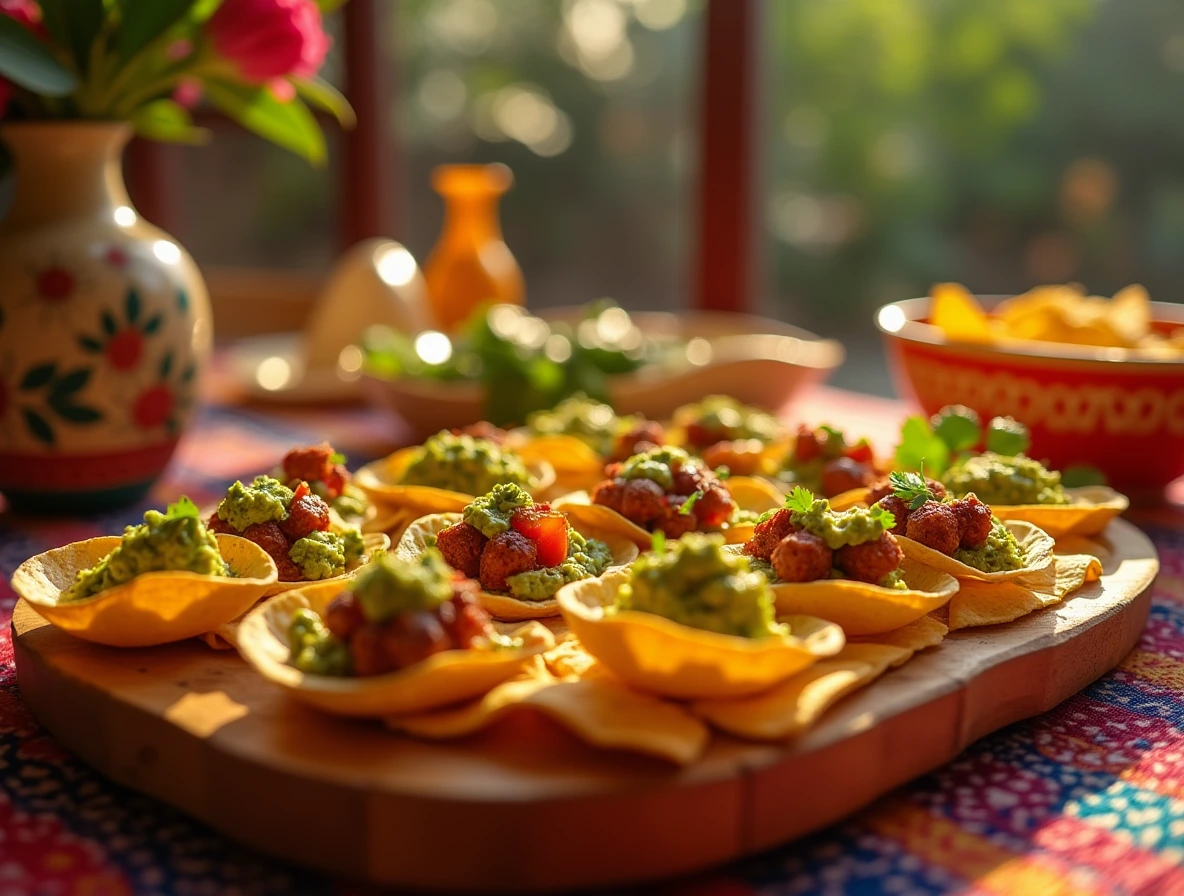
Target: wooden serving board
x=525 y=805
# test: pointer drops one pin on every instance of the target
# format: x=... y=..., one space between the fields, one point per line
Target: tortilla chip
x=994 y=603
x=924 y=633
x=153 y=608
x=848 y=499
x=958 y=314
x=864 y=609
x=442 y=679
x=504 y=606
x=664 y=657
x=568 y=658
x=601 y=711
x=565 y=453
x=1090 y=510
x=1036 y=544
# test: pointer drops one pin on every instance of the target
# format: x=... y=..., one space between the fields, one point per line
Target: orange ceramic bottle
x=471 y=264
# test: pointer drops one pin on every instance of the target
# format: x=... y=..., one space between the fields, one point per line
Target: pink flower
x=187 y=93
x=269 y=39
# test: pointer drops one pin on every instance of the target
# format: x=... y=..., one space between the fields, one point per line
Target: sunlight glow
x=273 y=373
x=396 y=266
x=891 y=318
x=166 y=251
x=433 y=347
x=125 y=216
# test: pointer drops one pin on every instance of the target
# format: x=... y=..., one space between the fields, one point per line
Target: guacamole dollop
x=353 y=545
x=464 y=464
x=1003 y=480
x=390 y=585
x=177 y=540
x=592 y=422
x=263 y=501
x=313 y=647
x=320 y=555
x=655 y=465
x=695 y=582
x=490 y=514
x=1000 y=551
x=727 y=419
x=586 y=558
x=855 y=526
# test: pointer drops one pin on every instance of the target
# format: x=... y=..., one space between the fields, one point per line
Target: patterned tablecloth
x=1087 y=799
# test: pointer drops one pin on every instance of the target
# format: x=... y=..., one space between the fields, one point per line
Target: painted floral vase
x=104 y=327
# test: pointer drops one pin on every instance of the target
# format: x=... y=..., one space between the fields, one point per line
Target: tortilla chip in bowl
x=421 y=532
x=1036 y=544
x=663 y=657
x=154 y=607
x=374 y=542
x=440 y=680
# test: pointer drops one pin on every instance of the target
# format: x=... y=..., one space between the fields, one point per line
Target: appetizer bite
x=726 y=433
x=293 y=527
x=403 y=636
x=843 y=566
x=166 y=579
x=959 y=535
x=693 y=620
x=520 y=551
x=822 y=461
x=323 y=468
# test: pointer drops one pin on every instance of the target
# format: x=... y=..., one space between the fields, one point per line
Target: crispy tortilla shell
x=994 y=603
x=153 y=608
x=1036 y=544
x=443 y=679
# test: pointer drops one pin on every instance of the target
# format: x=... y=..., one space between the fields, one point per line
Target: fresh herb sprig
x=911 y=488
x=181 y=508
x=800 y=499
x=689 y=504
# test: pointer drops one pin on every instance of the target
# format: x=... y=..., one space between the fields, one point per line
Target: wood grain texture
x=535 y=808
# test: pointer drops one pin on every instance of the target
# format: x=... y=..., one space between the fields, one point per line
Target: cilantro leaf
x=836 y=442
x=911 y=488
x=181 y=508
x=337 y=458
x=723 y=472
x=920 y=446
x=800 y=499
x=658 y=542
x=1007 y=436
x=958 y=426
x=883 y=516
x=689 y=504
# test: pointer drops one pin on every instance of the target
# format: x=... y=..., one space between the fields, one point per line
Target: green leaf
x=132 y=306
x=38 y=376
x=90 y=345
x=41 y=430
x=289 y=125
x=28 y=63
x=144 y=21
x=921 y=447
x=689 y=504
x=328 y=6
x=168 y=122
x=336 y=458
x=109 y=325
x=72 y=382
x=800 y=499
x=74 y=24
x=321 y=94
x=1008 y=436
x=912 y=488
x=74 y=413
x=166 y=365
x=152 y=324
x=1078 y=475
x=957 y=426
x=658 y=542
x=886 y=518
x=723 y=472
x=181 y=508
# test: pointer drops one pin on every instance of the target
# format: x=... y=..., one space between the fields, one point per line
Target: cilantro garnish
x=182 y=508
x=911 y=488
x=336 y=458
x=921 y=446
x=658 y=542
x=800 y=499
x=689 y=503
x=882 y=515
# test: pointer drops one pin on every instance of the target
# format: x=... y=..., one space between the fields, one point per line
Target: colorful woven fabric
x=1087 y=799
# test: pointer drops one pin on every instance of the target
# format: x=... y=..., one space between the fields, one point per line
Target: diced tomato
x=300 y=491
x=547 y=528
x=861 y=451
x=810 y=444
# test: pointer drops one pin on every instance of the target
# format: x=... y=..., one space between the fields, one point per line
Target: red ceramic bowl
x=1100 y=406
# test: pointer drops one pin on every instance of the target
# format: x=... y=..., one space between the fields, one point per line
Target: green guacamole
x=1000 y=551
x=592 y=422
x=178 y=540
x=464 y=464
x=727 y=419
x=586 y=558
x=490 y=514
x=697 y=583
x=1007 y=481
x=313 y=647
x=263 y=501
x=855 y=526
x=320 y=555
x=351 y=503
x=389 y=585
x=655 y=465
x=353 y=545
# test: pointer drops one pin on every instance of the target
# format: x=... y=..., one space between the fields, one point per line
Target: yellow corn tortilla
x=380 y=481
x=375 y=542
x=504 y=606
x=1036 y=544
x=864 y=609
x=994 y=603
x=924 y=633
x=663 y=657
x=566 y=454
x=153 y=608
x=440 y=680
x=599 y=710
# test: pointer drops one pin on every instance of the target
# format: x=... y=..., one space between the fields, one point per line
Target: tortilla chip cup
x=863 y=609
x=504 y=606
x=153 y=608
x=375 y=543
x=1036 y=544
x=440 y=680
x=663 y=657
x=380 y=481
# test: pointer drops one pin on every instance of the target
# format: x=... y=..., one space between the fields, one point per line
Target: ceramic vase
x=104 y=327
x=470 y=265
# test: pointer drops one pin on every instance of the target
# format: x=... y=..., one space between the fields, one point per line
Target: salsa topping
x=395 y=614
x=826 y=464
x=324 y=470
x=291 y=525
x=174 y=540
x=465 y=464
x=695 y=582
x=511 y=544
x=807 y=541
x=653 y=490
x=999 y=479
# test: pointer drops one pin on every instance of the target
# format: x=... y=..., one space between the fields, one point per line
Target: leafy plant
x=911 y=488
x=800 y=499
